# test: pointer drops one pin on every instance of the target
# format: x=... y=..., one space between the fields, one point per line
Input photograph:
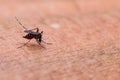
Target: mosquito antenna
x=20 y=23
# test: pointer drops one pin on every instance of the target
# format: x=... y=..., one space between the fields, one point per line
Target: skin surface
x=84 y=35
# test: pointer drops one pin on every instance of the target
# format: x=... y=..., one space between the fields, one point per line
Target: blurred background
x=48 y=8
x=84 y=33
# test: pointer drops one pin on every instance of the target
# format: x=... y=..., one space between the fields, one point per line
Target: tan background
x=85 y=37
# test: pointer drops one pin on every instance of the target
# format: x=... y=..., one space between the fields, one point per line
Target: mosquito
x=31 y=34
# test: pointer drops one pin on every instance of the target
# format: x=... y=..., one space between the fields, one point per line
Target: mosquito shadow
x=35 y=46
x=32 y=47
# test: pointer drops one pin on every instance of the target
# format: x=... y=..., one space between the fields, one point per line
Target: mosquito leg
x=20 y=23
x=35 y=29
x=29 y=31
x=26 y=30
x=39 y=43
x=25 y=44
x=46 y=42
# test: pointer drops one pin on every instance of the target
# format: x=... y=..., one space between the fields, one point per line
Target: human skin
x=84 y=35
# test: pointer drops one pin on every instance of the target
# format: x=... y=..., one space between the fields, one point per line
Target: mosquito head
x=26 y=36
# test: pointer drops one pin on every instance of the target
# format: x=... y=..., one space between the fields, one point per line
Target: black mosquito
x=31 y=34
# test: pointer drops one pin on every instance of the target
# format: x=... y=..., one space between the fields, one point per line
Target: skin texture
x=84 y=35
